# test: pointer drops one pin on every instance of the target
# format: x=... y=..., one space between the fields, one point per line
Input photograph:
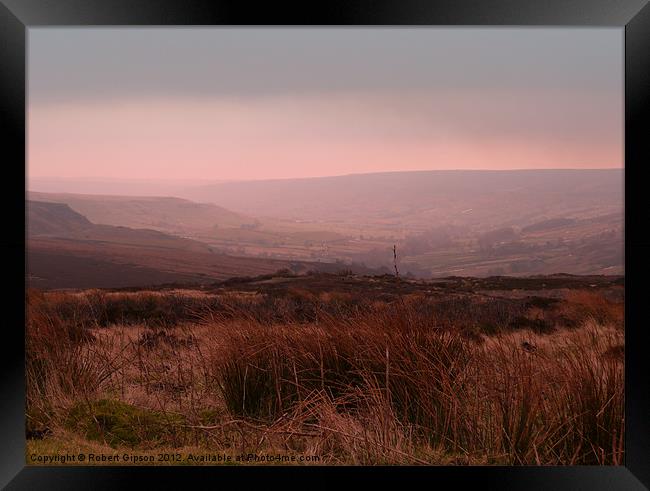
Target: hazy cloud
x=67 y=64
x=261 y=103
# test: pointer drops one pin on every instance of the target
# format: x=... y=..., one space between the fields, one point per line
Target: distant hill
x=165 y=214
x=55 y=219
x=66 y=250
x=58 y=220
x=465 y=223
x=469 y=198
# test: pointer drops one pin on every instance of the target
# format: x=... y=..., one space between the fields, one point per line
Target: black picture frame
x=16 y=16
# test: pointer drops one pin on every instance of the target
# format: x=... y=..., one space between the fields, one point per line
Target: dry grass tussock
x=406 y=382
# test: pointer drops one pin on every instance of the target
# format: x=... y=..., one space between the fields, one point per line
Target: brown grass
x=416 y=381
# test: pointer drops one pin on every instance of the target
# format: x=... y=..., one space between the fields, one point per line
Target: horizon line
x=213 y=180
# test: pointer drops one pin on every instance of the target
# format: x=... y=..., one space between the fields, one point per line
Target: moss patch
x=117 y=423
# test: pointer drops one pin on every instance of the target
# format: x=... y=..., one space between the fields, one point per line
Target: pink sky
x=255 y=103
x=328 y=134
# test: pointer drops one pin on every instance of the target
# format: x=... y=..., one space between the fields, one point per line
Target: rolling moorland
x=469 y=223
x=336 y=368
x=270 y=318
x=444 y=223
x=66 y=250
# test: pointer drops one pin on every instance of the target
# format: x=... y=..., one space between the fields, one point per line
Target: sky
x=250 y=103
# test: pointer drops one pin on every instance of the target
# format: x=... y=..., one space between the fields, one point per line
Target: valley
x=443 y=223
